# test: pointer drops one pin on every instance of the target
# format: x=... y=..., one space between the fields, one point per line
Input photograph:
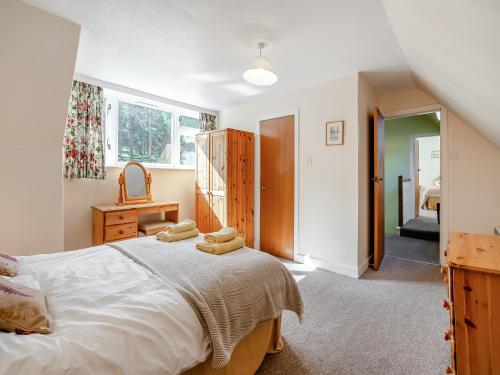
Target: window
x=156 y=134
x=187 y=150
x=189 y=122
x=144 y=134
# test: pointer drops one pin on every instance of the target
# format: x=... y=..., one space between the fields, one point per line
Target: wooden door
x=202 y=202
x=218 y=179
x=417 y=177
x=378 y=189
x=277 y=186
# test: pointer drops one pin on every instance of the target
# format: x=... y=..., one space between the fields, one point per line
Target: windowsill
x=156 y=166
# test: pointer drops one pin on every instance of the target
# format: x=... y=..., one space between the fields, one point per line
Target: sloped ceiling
x=196 y=50
x=453 y=50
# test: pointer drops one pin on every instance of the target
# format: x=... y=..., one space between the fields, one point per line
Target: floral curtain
x=207 y=122
x=83 y=136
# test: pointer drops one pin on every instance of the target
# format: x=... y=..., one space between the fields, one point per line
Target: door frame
x=295 y=113
x=413 y=171
x=444 y=228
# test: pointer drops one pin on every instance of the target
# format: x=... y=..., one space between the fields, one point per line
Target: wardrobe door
x=239 y=185
x=202 y=181
x=203 y=212
x=218 y=179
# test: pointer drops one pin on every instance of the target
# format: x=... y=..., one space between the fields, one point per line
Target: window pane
x=187 y=150
x=144 y=134
x=189 y=122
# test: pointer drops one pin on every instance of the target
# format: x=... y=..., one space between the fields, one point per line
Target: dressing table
x=120 y=221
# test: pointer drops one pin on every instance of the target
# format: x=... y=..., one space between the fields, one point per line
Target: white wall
x=392 y=101
x=328 y=176
x=36 y=72
x=81 y=195
x=429 y=166
x=474 y=179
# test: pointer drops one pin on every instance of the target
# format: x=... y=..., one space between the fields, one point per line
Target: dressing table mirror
x=135 y=184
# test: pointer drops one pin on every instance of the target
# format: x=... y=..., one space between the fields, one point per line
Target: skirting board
x=335 y=267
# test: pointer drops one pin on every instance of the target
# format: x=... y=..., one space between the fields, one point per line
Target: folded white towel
x=221 y=248
x=223 y=235
x=173 y=237
x=183 y=226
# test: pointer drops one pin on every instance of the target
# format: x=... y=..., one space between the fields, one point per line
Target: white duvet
x=111 y=316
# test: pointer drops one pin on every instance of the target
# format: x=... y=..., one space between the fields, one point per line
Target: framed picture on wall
x=334 y=133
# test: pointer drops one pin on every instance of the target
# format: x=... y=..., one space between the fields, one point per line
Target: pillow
x=8 y=265
x=22 y=310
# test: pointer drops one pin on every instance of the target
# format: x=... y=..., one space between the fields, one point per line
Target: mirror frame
x=123 y=197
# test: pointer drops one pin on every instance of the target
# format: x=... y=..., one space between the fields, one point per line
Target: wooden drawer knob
x=449 y=370
x=120 y=231
x=121 y=217
x=447 y=335
x=446 y=304
x=443 y=270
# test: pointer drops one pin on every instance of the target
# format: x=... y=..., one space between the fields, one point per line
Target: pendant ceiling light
x=260 y=71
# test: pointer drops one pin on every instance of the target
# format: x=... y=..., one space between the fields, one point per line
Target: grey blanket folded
x=229 y=293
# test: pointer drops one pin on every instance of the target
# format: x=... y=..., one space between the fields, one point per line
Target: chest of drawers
x=473 y=276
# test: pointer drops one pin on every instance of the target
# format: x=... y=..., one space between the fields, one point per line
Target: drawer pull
x=446 y=304
x=121 y=217
x=442 y=270
x=447 y=335
x=121 y=231
x=449 y=370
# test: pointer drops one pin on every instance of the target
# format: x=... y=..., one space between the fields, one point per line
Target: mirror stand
x=125 y=196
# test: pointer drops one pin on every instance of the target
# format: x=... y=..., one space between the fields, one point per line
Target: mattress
x=433 y=192
x=111 y=316
x=431 y=197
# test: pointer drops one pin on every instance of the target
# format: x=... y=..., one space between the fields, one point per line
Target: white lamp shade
x=259 y=72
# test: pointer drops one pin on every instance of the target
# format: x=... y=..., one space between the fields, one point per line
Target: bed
x=114 y=315
x=431 y=195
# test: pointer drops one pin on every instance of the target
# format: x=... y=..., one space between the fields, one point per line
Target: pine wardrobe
x=224 y=182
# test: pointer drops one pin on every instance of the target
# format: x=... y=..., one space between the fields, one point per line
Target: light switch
x=309 y=161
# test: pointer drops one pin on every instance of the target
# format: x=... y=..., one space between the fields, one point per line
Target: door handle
x=377 y=179
x=263 y=187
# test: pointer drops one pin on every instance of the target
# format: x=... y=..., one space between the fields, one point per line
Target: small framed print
x=335 y=133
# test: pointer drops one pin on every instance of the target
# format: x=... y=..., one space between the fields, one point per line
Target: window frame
x=112 y=98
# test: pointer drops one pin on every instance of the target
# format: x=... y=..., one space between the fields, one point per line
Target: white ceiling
x=196 y=50
x=453 y=50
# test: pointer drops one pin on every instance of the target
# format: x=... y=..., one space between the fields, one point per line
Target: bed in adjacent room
x=431 y=195
x=117 y=309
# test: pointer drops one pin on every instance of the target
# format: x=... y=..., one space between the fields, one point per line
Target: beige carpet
x=388 y=322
